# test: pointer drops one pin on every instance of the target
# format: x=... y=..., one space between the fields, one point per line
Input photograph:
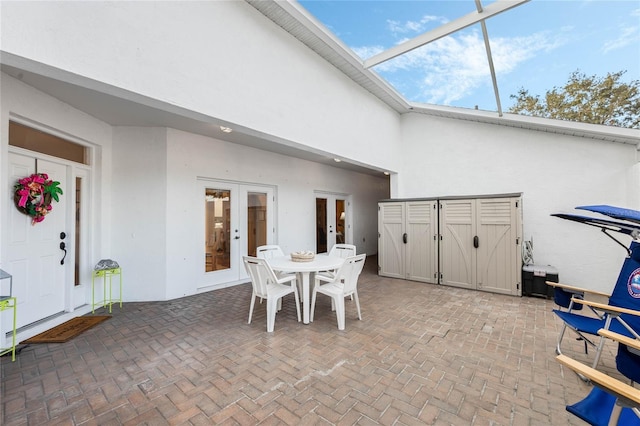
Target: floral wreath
x=33 y=195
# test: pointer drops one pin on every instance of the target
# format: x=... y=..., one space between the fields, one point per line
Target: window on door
x=224 y=209
x=45 y=143
x=217 y=229
x=256 y=221
x=331 y=222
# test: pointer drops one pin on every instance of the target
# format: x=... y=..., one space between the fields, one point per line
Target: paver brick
x=423 y=354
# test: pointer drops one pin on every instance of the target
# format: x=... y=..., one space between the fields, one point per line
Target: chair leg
x=313 y=303
x=295 y=294
x=272 y=309
x=607 y=326
x=253 y=302
x=615 y=414
x=339 y=302
x=354 y=296
x=564 y=328
x=596 y=359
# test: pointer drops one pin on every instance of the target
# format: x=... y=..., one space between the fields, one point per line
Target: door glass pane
x=256 y=221
x=78 y=229
x=321 y=225
x=35 y=140
x=340 y=221
x=217 y=229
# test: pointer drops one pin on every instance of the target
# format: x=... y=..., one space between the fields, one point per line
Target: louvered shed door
x=457 y=255
x=391 y=248
x=499 y=260
x=491 y=224
x=421 y=246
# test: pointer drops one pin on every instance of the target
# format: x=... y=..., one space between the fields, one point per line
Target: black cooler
x=534 y=279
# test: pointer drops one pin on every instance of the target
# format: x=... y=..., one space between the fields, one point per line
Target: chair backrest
x=269 y=251
x=343 y=250
x=626 y=293
x=349 y=272
x=261 y=274
x=628 y=362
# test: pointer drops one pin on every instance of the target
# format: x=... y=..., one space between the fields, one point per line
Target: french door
x=237 y=218
x=41 y=282
x=332 y=221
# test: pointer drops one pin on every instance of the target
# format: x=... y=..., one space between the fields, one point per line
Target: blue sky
x=535 y=46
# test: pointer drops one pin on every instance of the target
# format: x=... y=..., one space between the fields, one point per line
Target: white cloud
x=451 y=68
x=627 y=36
x=419 y=26
x=366 y=52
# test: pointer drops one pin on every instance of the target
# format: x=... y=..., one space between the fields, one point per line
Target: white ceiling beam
x=487 y=45
x=444 y=30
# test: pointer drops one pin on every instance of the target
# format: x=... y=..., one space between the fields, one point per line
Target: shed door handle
x=404 y=238
x=476 y=242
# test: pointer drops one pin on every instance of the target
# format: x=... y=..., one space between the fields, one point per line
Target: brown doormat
x=68 y=330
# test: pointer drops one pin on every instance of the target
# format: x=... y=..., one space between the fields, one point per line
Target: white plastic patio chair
x=269 y=251
x=340 y=285
x=267 y=286
x=343 y=250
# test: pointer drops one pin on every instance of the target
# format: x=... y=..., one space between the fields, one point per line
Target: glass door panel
x=217 y=229
x=331 y=221
x=238 y=218
x=340 y=218
x=321 y=225
x=256 y=221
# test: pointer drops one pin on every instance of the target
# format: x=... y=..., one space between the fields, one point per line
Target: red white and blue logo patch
x=633 y=286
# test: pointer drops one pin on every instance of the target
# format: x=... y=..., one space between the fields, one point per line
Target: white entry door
x=332 y=221
x=33 y=251
x=237 y=218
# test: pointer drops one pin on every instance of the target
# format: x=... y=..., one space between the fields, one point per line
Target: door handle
x=236 y=237
x=63 y=247
x=476 y=242
x=404 y=238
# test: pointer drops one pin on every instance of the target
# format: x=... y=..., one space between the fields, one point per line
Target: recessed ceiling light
x=226 y=129
x=337 y=160
x=386 y=173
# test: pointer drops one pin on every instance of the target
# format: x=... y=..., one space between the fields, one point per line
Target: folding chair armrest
x=634 y=343
x=607 y=308
x=579 y=290
x=612 y=385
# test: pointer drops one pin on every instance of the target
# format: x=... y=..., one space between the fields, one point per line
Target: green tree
x=597 y=100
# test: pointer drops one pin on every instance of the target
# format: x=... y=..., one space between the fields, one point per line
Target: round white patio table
x=303 y=270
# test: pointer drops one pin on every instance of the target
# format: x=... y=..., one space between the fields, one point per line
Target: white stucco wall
x=191 y=156
x=138 y=210
x=226 y=61
x=220 y=58
x=554 y=173
x=33 y=108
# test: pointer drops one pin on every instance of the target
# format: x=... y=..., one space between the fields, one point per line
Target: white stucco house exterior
x=145 y=87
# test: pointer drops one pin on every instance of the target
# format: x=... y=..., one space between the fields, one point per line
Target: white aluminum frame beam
x=444 y=30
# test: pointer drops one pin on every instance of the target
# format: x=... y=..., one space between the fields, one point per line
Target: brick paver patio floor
x=422 y=354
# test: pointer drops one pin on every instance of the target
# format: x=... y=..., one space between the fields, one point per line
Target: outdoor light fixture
x=386 y=173
x=226 y=129
x=337 y=160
